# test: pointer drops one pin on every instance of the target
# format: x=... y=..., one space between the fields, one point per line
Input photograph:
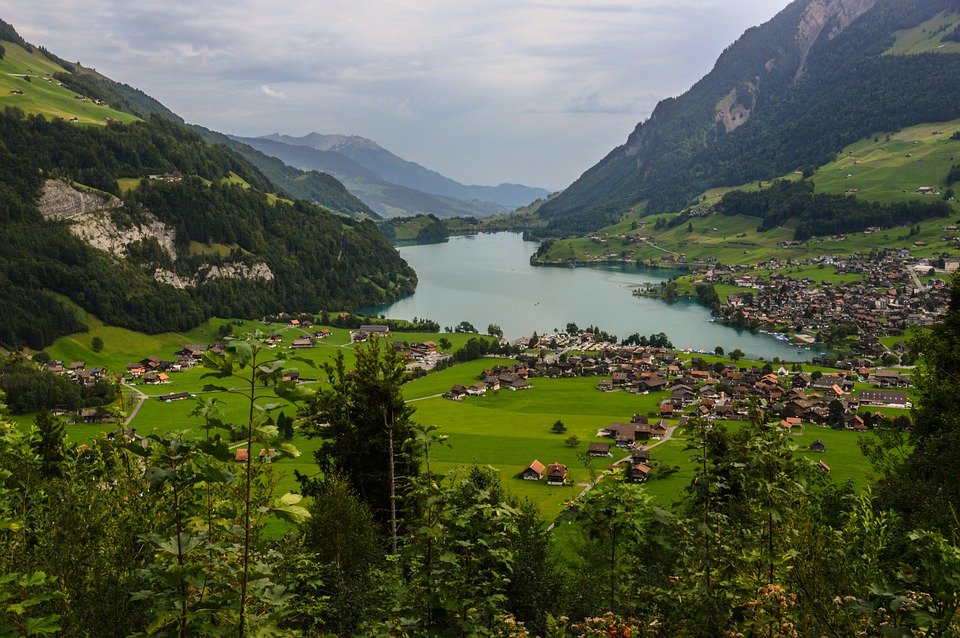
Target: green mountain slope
x=31 y=82
x=194 y=233
x=315 y=186
x=787 y=95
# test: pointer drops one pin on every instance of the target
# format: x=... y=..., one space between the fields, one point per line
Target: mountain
x=786 y=96
x=110 y=204
x=386 y=198
x=397 y=170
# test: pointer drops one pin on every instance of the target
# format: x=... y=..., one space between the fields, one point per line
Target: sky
x=483 y=91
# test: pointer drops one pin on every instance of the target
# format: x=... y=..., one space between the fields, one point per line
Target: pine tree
x=49 y=442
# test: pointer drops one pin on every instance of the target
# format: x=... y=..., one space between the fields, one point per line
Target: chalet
x=790 y=422
x=605 y=386
x=823 y=466
x=192 y=350
x=638 y=473
x=888 y=379
x=818 y=446
x=599 y=449
x=534 y=471
x=654 y=383
x=90 y=415
x=267 y=455
x=659 y=429
x=241 y=455
x=666 y=409
x=556 y=473
x=885 y=397
x=520 y=384
x=366 y=330
x=301 y=343
x=640 y=455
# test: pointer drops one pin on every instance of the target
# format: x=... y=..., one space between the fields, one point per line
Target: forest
x=183 y=540
x=339 y=262
x=819 y=214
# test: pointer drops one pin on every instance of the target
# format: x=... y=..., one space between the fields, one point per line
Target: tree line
x=820 y=214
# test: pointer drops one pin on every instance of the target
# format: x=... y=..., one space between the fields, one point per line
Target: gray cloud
x=483 y=90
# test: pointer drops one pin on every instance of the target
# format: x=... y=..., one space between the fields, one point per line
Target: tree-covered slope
x=315 y=259
x=787 y=95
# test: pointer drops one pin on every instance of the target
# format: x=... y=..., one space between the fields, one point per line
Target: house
x=640 y=455
x=366 y=330
x=599 y=449
x=818 y=446
x=534 y=471
x=193 y=350
x=241 y=455
x=638 y=473
x=823 y=466
x=301 y=343
x=556 y=473
x=266 y=455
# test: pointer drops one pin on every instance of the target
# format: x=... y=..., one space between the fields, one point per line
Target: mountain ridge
x=386 y=198
x=396 y=170
x=787 y=95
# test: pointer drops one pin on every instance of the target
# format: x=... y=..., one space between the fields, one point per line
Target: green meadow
x=505 y=429
x=42 y=96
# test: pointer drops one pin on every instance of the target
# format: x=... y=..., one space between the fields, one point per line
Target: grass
x=505 y=429
x=891 y=168
x=927 y=37
x=43 y=96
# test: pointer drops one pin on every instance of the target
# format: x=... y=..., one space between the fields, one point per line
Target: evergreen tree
x=49 y=442
x=364 y=424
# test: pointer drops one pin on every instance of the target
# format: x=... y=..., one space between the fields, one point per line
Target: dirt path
x=141 y=397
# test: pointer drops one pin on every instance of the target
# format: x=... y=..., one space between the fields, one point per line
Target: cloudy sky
x=484 y=91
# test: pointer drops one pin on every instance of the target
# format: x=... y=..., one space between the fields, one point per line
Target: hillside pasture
x=42 y=96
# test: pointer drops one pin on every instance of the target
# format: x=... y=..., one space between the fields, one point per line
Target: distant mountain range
x=786 y=96
x=397 y=170
x=391 y=185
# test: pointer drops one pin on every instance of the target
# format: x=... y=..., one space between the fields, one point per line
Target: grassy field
x=43 y=96
x=504 y=429
x=927 y=37
x=891 y=168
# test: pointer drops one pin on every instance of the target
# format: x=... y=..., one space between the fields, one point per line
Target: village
x=886 y=299
x=691 y=388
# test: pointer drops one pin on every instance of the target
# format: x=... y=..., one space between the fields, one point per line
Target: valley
x=300 y=385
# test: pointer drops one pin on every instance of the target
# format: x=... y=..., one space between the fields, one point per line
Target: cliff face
x=88 y=214
x=61 y=201
x=838 y=14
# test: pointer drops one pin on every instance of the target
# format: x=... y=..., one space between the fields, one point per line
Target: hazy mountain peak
x=396 y=170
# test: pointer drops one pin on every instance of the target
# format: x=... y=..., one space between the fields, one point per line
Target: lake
x=488 y=279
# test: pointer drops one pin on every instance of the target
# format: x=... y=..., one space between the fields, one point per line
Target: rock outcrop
x=62 y=201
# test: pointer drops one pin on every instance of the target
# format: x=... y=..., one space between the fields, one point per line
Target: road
x=141 y=397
